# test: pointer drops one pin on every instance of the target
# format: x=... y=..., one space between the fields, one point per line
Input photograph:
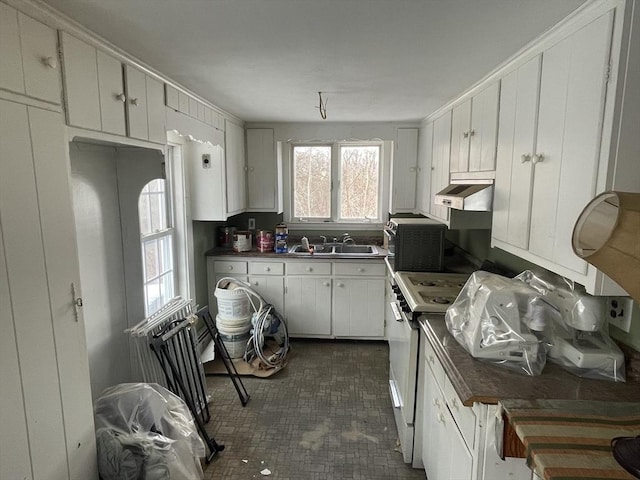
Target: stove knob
x=406 y=309
x=395 y=288
x=403 y=304
x=399 y=296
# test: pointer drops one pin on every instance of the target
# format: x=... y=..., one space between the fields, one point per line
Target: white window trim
x=294 y=223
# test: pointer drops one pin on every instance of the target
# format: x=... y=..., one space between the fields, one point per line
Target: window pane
x=359 y=174
x=153 y=297
x=150 y=259
x=166 y=254
x=312 y=181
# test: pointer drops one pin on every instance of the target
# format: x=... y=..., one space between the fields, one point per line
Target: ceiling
x=374 y=60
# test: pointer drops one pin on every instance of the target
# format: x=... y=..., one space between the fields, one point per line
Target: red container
x=265 y=241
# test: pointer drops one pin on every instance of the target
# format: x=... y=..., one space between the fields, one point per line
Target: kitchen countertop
x=254 y=253
x=478 y=381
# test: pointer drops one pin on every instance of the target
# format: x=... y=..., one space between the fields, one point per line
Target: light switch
x=206 y=160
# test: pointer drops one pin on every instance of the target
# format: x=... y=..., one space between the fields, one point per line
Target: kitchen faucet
x=346 y=238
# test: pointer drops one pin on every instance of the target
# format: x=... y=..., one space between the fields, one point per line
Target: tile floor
x=326 y=415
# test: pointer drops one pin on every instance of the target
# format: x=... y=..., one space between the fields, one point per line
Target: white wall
x=106 y=183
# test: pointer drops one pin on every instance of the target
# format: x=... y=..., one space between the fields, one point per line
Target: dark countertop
x=254 y=253
x=478 y=381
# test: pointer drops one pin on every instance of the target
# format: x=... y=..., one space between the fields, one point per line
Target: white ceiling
x=375 y=60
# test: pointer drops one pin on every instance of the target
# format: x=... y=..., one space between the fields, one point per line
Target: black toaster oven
x=415 y=244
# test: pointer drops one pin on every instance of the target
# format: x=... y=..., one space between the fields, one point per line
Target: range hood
x=475 y=196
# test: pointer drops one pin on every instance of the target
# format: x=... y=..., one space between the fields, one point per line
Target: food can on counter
x=242 y=241
x=225 y=236
x=265 y=241
x=282 y=232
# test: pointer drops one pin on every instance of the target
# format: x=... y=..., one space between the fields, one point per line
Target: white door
x=516 y=143
x=358 y=307
x=307 y=305
x=235 y=163
x=262 y=178
x=46 y=402
x=460 y=127
x=40 y=60
x=81 y=83
x=440 y=165
x=271 y=288
x=425 y=152
x=405 y=170
x=484 y=129
x=112 y=97
x=572 y=93
x=136 y=103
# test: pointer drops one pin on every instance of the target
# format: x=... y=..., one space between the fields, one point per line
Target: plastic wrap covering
x=580 y=343
x=496 y=319
x=146 y=432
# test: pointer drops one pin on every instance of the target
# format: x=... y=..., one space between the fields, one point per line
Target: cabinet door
x=156 y=113
x=271 y=288
x=307 y=305
x=484 y=129
x=516 y=142
x=40 y=266
x=425 y=152
x=39 y=59
x=136 y=103
x=205 y=163
x=112 y=97
x=81 y=83
x=358 y=307
x=404 y=171
x=440 y=165
x=461 y=460
x=262 y=172
x=460 y=126
x=572 y=94
x=235 y=162
x=435 y=453
x=11 y=74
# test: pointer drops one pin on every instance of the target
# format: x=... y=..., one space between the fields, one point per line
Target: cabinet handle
x=256 y=283
x=538 y=158
x=326 y=284
x=134 y=102
x=412 y=169
x=436 y=402
x=230 y=267
x=432 y=360
x=455 y=404
x=251 y=169
x=50 y=62
x=361 y=270
x=121 y=97
x=525 y=157
x=267 y=269
x=472 y=132
x=340 y=284
x=441 y=418
x=465 y=135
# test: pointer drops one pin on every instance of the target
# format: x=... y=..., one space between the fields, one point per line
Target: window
x=353 y=169
x=157 y=239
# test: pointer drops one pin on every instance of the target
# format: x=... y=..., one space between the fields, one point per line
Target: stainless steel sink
x=335 y=249
x=355 y=249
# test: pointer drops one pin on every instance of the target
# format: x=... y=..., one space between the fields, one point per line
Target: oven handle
x=395 y=396
x=396 y=311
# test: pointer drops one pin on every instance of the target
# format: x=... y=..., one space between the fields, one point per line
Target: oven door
x=403 y=359
x=389 y=243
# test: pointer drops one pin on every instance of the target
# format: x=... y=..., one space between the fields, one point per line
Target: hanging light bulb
x=322 y=106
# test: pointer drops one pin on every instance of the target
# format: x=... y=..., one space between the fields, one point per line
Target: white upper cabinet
x=97 y=97
x=474 y=130
x=29 y=56
x=557 y=145
x=205 y=164
x=514 y=171
x=404 y=171
x=94 y=87
x=263 y=171
x=235 y=165
x=425 y=153
x=440 y=163
x=111 y=94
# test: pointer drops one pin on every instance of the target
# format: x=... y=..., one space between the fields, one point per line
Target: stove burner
x=426 y=284
x=441 y=300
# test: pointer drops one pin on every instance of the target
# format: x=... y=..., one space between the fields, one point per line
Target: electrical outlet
x=252 y=224
x=619 y=312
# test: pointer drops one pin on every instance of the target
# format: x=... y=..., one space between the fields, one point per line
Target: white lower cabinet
x=317 y=298
x=458 y=442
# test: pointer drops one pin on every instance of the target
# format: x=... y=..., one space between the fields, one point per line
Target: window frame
x=336 y=185
x=147 y=238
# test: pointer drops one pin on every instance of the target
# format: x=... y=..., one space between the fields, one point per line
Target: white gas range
x=417 y=293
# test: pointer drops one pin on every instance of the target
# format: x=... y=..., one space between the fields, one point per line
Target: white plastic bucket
x=233 y=303
x=234 y=333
